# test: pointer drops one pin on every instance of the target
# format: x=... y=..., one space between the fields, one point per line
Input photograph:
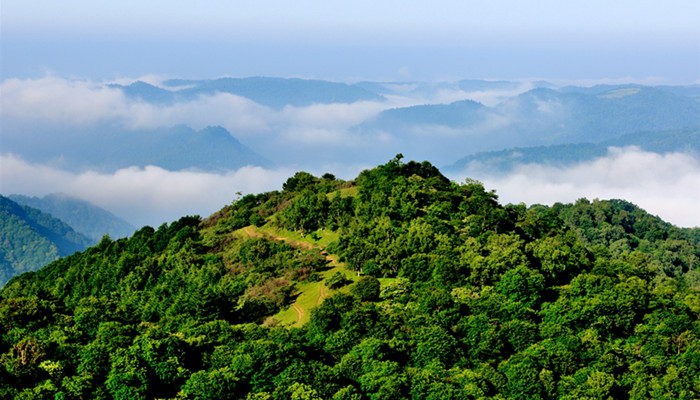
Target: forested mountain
x=86 y=218
x=427 y=289
x=619 y=228
x=678 y=140
x=30 y=239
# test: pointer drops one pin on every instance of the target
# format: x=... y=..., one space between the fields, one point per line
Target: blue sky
x=352 y=40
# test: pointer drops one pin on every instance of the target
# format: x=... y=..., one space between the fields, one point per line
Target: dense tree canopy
x=30 y=239
x=460 y=298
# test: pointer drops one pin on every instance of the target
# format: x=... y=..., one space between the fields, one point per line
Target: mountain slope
x=30 y=239
x=88 y=219
x=621 y=228
x=458 y=297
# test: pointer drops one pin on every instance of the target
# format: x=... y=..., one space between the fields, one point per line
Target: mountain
x=317 y=123
x=109 y=147
x=538 y=117
x=399 y=284
x=146 y=92
x=431 y=90
x=595 y=115
x=477 y=85
x=30 y=239
x=457 y=114
x=679 y=140
x=86 y=218
x=272 y=92
x=621 y=228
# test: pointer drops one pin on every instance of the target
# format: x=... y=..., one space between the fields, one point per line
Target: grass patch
x=320 y=238
x=311 y=294
x=347 y=192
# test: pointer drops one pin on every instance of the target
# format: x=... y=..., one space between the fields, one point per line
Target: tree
x=366 y=288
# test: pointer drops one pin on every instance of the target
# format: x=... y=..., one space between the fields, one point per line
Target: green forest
x=30 y=239
x=427 y=289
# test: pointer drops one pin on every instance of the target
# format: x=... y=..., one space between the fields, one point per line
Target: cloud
x=79 y=102
x=491 y=98
x=666 y=185
x=235 y=113
x=47 y=108
x=60 y=101
x=144 y=196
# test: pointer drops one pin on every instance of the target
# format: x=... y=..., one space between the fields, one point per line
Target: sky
x=354 y=40
x=56 y=56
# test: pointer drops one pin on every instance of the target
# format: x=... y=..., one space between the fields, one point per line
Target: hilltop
x=397 y=284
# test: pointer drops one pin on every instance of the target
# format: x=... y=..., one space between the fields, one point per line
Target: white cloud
x=61 y=101
x=74 y=102
x=664 y=185
x=289 y=135
x=149 y=195
x=235 y=113
x=493 y=97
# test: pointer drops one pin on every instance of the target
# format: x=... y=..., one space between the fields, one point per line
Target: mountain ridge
x=84 y=217
x=685 y=140
x=444 y=292
x=31 y=239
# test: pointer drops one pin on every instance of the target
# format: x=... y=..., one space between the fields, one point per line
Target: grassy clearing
x=350 y=192
x=309 y=294
x=319 y=239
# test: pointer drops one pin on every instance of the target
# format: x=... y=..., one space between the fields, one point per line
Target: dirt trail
x=321 y=295
x=300 y=313
x=253 y=232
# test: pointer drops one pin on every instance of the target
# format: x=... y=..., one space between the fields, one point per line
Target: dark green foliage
x=624 y=234
x=367 y=288
x=591 y=300
x=30 y=239
x=337 y=280
x=306 y=212
x=299 y=182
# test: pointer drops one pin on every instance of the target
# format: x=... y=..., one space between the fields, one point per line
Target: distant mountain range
x=434 y=127
x=86 y=218
x=540 y=117
x=272 y=92
x=503 y=161
x=30 y=239
x=111 y=147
